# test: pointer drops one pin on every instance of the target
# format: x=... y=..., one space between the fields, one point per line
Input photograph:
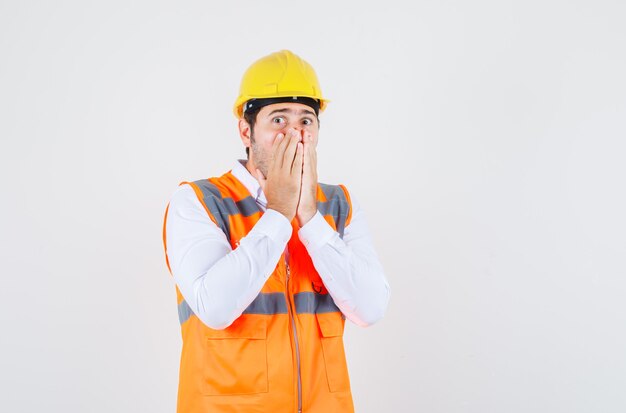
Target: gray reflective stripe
x=245 y=207
x=264 y=303
x=212 y=198
x=268 y=303
x=312 y=303
x=184 y=311
x=276 y=303
x=336 y=205
x=221 y=207
x=248 y=206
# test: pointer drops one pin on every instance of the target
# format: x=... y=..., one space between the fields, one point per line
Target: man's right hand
x=284 y=175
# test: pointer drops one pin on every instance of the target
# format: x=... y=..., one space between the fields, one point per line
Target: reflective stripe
x=312 y=303
x=184 y=311
x=246 y=206
x=221 y=208
x=336 y=205
x=264 y=303
x=328 y=190
x=331 y=207
x=214 y=202
x=268 y=304
x=275 y=303
x=338 y=209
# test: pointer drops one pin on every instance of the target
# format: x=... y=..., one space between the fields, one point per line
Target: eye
x=278 y=120
x=307 y=121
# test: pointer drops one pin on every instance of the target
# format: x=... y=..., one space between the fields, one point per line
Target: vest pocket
x=236 y=359
x=331 y=329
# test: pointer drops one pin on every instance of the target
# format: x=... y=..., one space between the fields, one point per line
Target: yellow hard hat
x=280 y=74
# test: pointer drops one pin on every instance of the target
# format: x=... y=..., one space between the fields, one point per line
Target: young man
x=268 y=263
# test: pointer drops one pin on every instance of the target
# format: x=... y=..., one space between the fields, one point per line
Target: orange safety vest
x=285 y=352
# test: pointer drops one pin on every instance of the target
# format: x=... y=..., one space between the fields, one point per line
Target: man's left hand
x=307 y=207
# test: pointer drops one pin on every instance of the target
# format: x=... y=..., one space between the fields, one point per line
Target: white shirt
x=218 y=283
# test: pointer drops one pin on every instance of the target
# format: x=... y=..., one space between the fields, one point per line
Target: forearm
x=217 y=282
x=349 y=268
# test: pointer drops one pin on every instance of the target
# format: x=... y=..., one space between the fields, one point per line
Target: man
x=268 y=263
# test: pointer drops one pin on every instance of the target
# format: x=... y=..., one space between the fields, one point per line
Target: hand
x=307 y=206
x=284 y=175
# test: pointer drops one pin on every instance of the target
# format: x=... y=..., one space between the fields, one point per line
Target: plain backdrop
x=484 y=139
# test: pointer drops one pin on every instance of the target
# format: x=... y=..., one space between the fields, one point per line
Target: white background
x=484 y=139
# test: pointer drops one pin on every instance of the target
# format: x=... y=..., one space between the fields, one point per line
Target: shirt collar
x=240 y=172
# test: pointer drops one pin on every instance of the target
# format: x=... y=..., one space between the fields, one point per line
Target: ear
x=244 y=132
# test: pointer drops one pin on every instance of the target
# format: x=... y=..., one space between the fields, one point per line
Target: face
x=272 y=120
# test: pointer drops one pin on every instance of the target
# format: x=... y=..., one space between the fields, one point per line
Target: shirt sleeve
x=217 y=282
x=349 y=267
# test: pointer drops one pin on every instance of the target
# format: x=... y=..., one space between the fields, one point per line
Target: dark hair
x=250 y=117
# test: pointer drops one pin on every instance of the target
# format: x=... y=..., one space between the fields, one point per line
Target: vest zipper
x=295 y=336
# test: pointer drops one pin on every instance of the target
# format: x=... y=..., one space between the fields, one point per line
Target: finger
x=285 y=160
x=311 y=161
x=296 y=133
x=313 y=156
x=310 y=148
x=277 y=140
x=277 y=151
x=305 y=158
x=290 y=150
x=296 y=168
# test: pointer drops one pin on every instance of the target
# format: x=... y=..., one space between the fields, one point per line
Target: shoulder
x=206 y=188
x=202 y=189
x=183 y=197
x=193 y=194
x=335 y=191
x=200 y=202
x=336 y=201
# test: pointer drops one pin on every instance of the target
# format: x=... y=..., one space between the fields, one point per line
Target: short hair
x=250 y=117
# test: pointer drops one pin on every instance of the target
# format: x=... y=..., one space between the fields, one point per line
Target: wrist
x=305 y=217
x=283 y=211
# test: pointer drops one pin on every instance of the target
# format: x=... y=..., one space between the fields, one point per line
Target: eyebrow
x=285 y=110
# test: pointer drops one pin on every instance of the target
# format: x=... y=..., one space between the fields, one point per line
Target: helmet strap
x=255 y=104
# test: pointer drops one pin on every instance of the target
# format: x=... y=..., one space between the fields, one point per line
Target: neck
x=251 y=167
